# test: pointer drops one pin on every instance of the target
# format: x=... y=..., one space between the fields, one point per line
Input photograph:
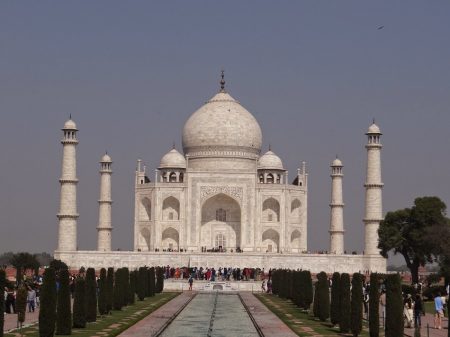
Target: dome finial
x=270 y=147
x=173 y=146
x=70 y=116
x=373 y=120
x=222 y=81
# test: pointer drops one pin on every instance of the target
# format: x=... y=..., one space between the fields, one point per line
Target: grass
x=301 y=322
x=114 y=324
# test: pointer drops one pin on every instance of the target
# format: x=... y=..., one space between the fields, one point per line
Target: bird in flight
x=381 y=27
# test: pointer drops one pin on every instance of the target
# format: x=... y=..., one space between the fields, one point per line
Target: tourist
x=408 y=311
x=439 y=308
x=191 y=281
x=418 y=311
x=366 y=302
x=31 y=299
x=383 y=304
x=263 y=286
x=10 y=302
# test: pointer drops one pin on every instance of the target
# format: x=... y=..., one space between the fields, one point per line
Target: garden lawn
x=114 y=324
x=301 y=322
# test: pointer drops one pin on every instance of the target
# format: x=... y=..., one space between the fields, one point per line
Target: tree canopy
x=411 y=231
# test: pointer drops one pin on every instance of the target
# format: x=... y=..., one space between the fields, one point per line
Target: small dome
x=374 y=129
x=70 y=125
x=106 y=159
x=173 y=159
x=270 y=161
x=336 y=162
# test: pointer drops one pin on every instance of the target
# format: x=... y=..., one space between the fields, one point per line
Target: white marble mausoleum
x=222 y=201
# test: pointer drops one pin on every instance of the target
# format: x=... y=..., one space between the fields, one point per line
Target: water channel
x=212 y=314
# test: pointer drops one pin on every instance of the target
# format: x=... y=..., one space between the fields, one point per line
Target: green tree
x=118 y=289
x=2 y=300
x=91 y=295
x=21 y=304
x=151 y=281
x=79 y=303
x=132 y=288
x=63 y=312
x=141 y=283
x=394 y=306
x=22 y=262
x=316 y=300
x=335 y=306
x=58 y=265
x=344 y=323
x=356 y=304
x=308 y=294
x=159 y=279
x=102 y=293
x=109 y=290
x=324 y=296
x=47 y=307
x=408 y=232
x=374 y=306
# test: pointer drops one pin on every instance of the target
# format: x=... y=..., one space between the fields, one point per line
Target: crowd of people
x=33 y=290
x=219 y=274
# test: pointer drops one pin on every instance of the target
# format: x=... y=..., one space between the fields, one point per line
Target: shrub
x=109 y=290
x=141 y=283
x=118 y=297
x=47 y=307
x=356 y=304
x=21 y=303
x=159 y=279
x=132 y=288
x=79 y=304
x=91 y=295
x=394 y=307
x=335 y=306
x=308 y=294
x=316 y=300
x=374 y=306
x=151 y=281
x=344 y=323
x=102 y=293
x=125 y=285
x=324 y=296
x=63 y=312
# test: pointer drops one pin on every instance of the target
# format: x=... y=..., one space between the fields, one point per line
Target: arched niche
x=144 y=240
x=145 y=209
x=296 y=209
x=271 y=210
x=170 y=239
x=271 y=241
x=171 y=209
x=295 y=240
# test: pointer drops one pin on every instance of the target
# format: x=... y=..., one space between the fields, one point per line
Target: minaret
x=67 y=232
x=337 y=209
x=104 y=209
x=373 y=185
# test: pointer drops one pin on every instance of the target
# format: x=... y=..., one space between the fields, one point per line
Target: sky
x=313 y=73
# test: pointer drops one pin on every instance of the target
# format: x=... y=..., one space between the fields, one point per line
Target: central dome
x=222 y=128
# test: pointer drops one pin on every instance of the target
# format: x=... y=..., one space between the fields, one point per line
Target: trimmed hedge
x=323 y=296
x=64 y=311
x=335 y=305
x=344 y=323
x=109 y=290
x=91 y=295
x=356 y=304
x=102 y=293
x=394 y=306
x=47 y=307
x=374 y=306
x=79 y=303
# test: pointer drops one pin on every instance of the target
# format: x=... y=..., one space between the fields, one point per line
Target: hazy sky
x=314 y=74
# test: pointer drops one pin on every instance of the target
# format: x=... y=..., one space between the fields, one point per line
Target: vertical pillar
x=373 y=204
x=67 y=216
x=337 y=209
x=104 y=228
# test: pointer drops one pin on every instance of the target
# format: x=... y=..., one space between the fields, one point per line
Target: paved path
x=154 y=322
x=267 y=321
x=429 y=319
x=11 y=320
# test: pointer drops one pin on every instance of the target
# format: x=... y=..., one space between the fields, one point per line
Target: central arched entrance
x=221 y=223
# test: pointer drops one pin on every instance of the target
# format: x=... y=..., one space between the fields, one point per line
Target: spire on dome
x=222 y=81
x=173 y=146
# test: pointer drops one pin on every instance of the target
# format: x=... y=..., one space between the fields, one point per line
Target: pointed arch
x=271 y=241
x=295 y=239
x=295 y=208
x=170 y=239
x=145 y=209
x=171 y=209
x=271 y=210
x=144 y=240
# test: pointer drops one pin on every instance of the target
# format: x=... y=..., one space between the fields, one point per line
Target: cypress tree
x=102 y=293
x=324 y=296
x=394 y=306
x=374 y=306
x=151 y=281
x=91 y=295
x=335 y=306
x=356 y=304
x=125 y=285
x=301 y=289
x=118 y=289
x=63 y=312
x=316 y=300
x=109 y=290
x=308 y=289
x=21 y=303
x=141 y=284
x=159 y=279
x=79 y=303
x=47 y=307
x=2 y=300
x=344 y=322
x=132 y=288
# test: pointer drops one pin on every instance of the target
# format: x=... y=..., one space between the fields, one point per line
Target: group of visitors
x=10 y=294
x=212 y=274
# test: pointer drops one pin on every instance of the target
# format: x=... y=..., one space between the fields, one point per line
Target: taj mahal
x=221 y=202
